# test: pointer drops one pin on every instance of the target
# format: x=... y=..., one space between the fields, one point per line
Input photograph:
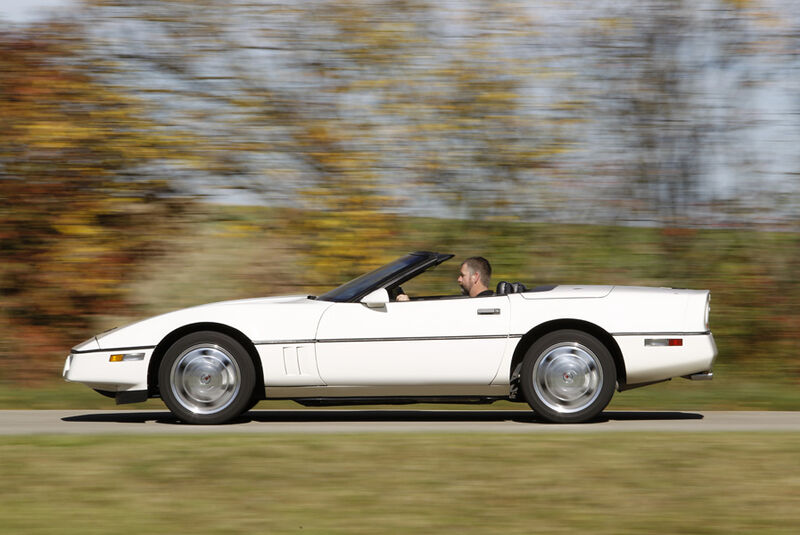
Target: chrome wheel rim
x=205 y=379
x=567 y=377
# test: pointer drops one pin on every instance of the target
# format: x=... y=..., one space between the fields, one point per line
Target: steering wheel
x=394 y=292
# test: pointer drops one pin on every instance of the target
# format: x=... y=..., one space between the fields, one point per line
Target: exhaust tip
x=702 y=376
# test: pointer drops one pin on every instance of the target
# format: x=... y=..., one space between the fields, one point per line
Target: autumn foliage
x=75 y=219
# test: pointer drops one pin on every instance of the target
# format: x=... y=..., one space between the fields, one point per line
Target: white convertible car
x=562 y=349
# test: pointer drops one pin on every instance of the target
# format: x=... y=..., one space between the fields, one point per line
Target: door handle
x=488 y=311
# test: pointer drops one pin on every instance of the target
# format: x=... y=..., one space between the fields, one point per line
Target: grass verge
x=443 y=483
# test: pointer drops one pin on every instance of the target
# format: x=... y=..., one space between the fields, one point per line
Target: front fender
x=259 y=320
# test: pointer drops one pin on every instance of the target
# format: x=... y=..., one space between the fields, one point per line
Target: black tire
x=254 y=400
x=568 y=376
x=207 y=378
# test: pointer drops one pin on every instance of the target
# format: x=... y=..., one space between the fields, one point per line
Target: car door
x=454 y=341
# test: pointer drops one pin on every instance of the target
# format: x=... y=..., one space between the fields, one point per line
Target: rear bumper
x=646 y=363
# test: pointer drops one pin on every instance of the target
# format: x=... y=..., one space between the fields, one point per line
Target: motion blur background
x=159 y=154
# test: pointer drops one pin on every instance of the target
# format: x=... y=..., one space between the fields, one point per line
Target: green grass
x=731 y=389
x=373 y=484
x=61 y=395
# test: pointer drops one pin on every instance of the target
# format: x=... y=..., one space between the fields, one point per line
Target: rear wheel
x=207 y=378
x=568 y=376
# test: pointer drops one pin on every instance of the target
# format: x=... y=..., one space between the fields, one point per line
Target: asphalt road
x=91 y=422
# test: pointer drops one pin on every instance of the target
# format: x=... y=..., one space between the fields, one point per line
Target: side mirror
x=376 y=299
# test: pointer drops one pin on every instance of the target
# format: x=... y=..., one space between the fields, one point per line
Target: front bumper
x=96 y=370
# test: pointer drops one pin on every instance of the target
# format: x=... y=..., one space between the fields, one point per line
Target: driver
x=473 y=278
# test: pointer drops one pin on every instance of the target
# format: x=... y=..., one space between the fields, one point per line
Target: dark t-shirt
x=485 y=293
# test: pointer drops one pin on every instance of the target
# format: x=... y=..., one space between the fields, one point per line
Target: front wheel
x=206 y=378
x=568 y=376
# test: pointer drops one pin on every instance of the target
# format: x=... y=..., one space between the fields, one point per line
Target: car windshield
x=350 y=290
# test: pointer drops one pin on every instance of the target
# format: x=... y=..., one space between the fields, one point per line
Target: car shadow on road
x=124 y=417
x=384 y=415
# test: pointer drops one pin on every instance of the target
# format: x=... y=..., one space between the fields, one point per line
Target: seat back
x=505 y=288
x=518 y=287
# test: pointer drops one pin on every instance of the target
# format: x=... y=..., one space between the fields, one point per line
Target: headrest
x=503 y=288
x=518 y=287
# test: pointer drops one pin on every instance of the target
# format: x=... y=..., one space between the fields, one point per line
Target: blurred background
x=159 y=154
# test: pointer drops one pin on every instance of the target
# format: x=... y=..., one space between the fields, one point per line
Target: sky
x=25 y=11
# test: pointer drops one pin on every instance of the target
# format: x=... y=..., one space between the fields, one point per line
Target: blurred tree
x=341 y=107
x=679 y=87
x=660 y=123
x=386 y=109
x=568 y=111
x=79 y=210
x=669 y=126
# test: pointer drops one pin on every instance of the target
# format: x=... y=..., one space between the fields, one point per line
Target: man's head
x=474 y=276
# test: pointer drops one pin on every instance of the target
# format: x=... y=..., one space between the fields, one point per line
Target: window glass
x=436 y=282
x=353 y=288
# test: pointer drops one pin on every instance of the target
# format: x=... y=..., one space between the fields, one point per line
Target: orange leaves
x=71 y=232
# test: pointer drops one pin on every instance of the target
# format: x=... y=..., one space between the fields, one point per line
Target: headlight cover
x=89 y=345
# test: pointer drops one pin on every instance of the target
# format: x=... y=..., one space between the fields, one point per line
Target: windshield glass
x=355 y=287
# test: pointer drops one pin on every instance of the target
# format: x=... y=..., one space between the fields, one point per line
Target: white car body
x=371 y=348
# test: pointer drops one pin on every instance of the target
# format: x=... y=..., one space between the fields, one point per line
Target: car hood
x=261 y=319
x=258 y=301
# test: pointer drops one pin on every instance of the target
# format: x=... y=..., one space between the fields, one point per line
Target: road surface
x=90 y=422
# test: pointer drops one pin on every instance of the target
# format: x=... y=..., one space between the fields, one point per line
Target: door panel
x=444 y=341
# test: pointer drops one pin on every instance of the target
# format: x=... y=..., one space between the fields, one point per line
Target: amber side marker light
x=663 y=342
x=126 y=357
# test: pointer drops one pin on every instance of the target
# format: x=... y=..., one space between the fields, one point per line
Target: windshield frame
x=395 y=272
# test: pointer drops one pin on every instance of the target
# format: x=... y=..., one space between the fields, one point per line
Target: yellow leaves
x=436 y=127
x=742 y=4
x=240 y=229
x=348 y=222
x=373 y=84
x=75 y=227
x=76 y=224
x=318 y=134
x=613 y=24
x=498 y=96
x=56 y=134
